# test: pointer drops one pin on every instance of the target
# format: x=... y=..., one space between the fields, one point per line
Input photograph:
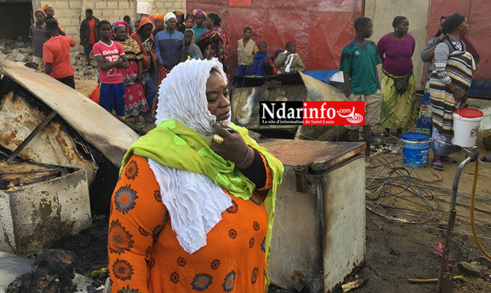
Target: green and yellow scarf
x=175 y=145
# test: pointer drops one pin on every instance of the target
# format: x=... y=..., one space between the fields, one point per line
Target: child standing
x=110 y=58
x=191 y=50
x=246 y=48
x=358 y=63
x=39 y=36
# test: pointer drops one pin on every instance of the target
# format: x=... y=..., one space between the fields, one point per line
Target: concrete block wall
x=70 y=13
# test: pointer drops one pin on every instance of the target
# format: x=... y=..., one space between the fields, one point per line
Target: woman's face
x=189 y=23
x=209 y=23
x=198 y=19
x=171 y=24
x=159 y=24
x=403 y=27
x=217 y=96
x=121 y=34
x=179 y=18
x=464 y=28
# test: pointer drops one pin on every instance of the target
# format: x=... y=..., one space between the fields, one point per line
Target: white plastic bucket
x=466 y=123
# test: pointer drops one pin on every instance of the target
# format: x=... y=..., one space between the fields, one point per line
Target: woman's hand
x=139 y=77
x=233 y=147
x=458 y=95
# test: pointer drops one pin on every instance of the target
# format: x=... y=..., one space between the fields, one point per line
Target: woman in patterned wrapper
x=193 y=207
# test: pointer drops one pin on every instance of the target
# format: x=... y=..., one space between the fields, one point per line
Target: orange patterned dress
x=145 y=255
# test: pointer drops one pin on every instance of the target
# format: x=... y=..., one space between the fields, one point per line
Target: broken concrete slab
x=472 y=269
x=484 y=261
x=21 y=57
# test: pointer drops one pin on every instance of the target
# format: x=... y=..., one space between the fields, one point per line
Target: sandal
x=446 y=159
x=140 y=125
x=437 y=164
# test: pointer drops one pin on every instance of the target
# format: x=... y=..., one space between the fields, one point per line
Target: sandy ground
x=396 y=250
x=85 y=86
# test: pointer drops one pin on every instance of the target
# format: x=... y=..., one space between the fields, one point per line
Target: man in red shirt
x=88 y=33
x=56 y=55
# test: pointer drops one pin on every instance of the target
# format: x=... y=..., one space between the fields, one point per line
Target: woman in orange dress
x=193 y=208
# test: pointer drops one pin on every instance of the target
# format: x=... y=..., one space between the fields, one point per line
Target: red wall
x=319 y=28
x=477 y=13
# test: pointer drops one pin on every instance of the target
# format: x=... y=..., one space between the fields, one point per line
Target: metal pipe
x=446 y=249
x=456 y=179
x=471 y=157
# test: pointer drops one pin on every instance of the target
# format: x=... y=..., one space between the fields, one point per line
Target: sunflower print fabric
x=145 y=256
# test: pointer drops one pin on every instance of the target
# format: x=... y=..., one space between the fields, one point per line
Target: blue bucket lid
x=415 y=136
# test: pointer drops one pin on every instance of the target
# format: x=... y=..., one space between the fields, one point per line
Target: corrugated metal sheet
x=97 y=126
x=477 y=13
x=320 y=28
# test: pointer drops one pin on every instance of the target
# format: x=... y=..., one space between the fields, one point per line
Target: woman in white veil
x=193 y=209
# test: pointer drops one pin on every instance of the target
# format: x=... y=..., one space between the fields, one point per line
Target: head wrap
x=158 y=16
x=452 y=23
x=196 y=12
x=169 y=16
x=179 y=13
x=183 y=92
x=119 y=24
x=46 y=6
x=39 y=10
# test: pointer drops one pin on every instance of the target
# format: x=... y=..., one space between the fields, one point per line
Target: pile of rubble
x=21 y=51
x=82 y=70
x=16 y=50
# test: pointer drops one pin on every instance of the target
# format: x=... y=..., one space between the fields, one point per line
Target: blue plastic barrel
x=415 y=148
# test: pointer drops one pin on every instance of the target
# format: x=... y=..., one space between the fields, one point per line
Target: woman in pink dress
x=135 y=102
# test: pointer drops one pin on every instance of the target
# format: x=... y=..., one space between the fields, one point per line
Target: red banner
x=333 y=113
x=237 y=3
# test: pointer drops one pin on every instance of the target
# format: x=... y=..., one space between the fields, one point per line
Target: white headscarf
x=182 y=95
x=169 y=16
x=195 y=203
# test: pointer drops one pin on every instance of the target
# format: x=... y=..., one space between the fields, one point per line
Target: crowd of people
x=133 y=59
x=392 y=100
x=193 y=208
